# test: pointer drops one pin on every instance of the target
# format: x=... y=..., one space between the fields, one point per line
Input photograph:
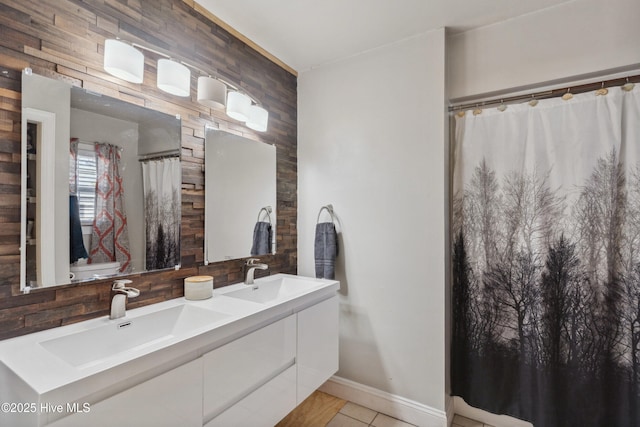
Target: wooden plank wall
x=64 y=39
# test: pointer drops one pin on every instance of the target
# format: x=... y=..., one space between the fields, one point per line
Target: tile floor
x=352 y=415
x=460 y=421
x=323 y=410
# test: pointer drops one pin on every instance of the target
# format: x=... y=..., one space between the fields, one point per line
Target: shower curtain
x=162 y=183
x=110 y=236
x=546 y=260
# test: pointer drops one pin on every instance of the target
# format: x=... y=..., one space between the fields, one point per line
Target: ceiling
x=305 y=34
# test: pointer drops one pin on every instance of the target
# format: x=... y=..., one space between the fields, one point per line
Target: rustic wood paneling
x=64 y=39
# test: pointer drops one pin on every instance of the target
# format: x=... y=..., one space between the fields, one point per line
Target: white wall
x=572 y=39
x=159 y=135
x=371 y=141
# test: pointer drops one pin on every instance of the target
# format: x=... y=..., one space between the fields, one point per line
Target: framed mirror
x=240 y=197
x=101 y=184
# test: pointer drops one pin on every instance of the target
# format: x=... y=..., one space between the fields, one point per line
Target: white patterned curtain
x=110 y=235
x=546 y=260
x=162 y=183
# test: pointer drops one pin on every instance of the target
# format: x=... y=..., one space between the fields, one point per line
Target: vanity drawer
x=265 y=406
x=171 y=399
x=236 y=370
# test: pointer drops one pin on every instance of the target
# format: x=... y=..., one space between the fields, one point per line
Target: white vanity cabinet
x=237 y=363
x=274 y=369
x=170 y=399
x=317 y=353
x=235 y=373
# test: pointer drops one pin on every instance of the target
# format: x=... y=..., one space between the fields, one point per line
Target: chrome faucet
x=119 y=301
x=251 y=267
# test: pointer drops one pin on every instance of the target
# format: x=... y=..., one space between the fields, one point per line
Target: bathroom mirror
x=240 y=197
x=101 y=184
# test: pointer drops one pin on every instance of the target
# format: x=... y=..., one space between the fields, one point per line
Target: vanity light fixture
x=123 y=61
x=173 y=77
x=212 y=92
x=258 y=118
x=126 y=62
x=238 y=106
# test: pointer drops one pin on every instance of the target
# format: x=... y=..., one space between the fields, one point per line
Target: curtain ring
x=602 y=90
x=628 y=87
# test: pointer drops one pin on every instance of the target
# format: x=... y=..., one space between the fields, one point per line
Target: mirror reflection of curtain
x=110 y=235
x=546 y=266
x=77 y=249
x=162 y=181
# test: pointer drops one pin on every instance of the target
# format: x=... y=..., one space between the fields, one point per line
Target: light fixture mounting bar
x=148 y=49
x=200 y=70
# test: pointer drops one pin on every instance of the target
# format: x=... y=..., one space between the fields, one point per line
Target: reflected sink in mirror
x=89 y=347
x=268 y=291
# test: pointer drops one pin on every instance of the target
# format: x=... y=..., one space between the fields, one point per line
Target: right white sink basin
x=268 y=290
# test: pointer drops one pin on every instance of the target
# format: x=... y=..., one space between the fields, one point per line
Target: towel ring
x=268 y=210
x=328 y=208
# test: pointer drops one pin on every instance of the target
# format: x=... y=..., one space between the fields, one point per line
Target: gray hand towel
x=326 y=250
x=262 y=235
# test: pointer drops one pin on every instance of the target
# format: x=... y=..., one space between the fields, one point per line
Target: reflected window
x=86 y=169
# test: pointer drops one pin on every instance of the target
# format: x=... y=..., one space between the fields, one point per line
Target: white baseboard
x=463 y=408
x=395 y=406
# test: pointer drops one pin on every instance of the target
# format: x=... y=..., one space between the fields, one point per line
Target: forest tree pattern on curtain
x=162 y=185
x=546 y=261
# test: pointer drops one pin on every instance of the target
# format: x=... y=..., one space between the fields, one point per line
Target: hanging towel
x=76 y=245
x=326 y=250
x=262 y=235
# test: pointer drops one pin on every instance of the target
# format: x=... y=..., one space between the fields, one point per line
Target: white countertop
x=44 y=372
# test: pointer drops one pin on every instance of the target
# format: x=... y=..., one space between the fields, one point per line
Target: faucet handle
x=131 y=292
x=120 y=284
x=252 y=261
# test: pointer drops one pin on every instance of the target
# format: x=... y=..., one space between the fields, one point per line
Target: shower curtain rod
x=160 y=155
x=552 y=93
x=85 y=142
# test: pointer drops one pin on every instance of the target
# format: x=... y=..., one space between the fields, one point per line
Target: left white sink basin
x=88 y=347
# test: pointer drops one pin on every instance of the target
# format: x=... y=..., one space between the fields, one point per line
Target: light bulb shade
x=258 y=118
x=211 y=92
x=123 y=61
x=238 y=106
x=173 y=77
